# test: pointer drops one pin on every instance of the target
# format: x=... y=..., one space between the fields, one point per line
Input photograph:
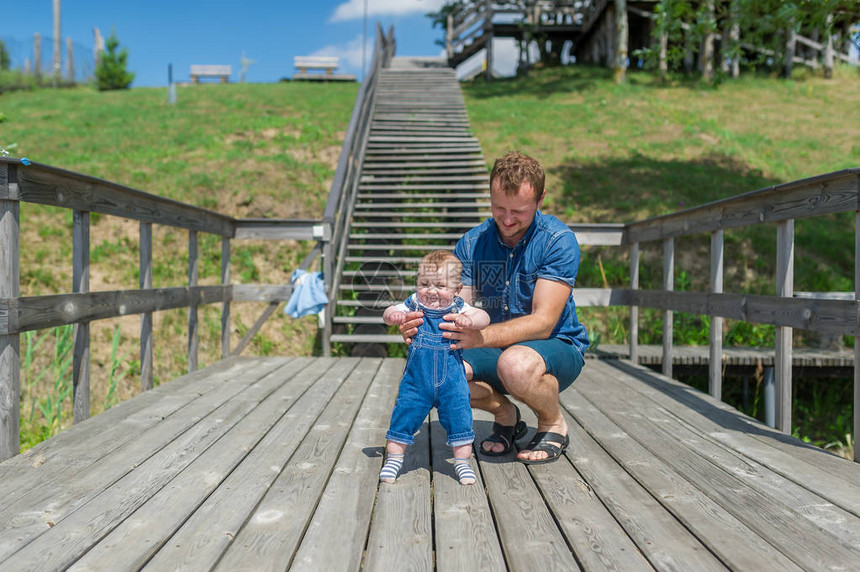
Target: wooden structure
x=272 y=464
x=602 y=32
x=590 y=27
x=327 y=64
x=220 y=72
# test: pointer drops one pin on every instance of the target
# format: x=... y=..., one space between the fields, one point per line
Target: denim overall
x=434 y=377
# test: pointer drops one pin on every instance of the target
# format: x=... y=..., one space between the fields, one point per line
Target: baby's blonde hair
x=441 y=259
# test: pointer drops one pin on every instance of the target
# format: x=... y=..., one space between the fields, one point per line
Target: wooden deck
x=271 y=463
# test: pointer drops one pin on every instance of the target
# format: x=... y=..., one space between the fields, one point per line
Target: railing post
x=193 y=275
x=328 y=273
x=784 y=289
x=10 y=288
x=856 y=432
x=668 y=286
x=81 y=284
x=634 y=310
x=146 y=317
x=225 y=308
x=715 y=367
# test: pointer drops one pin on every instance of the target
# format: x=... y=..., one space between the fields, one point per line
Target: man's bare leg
x=484 y=397
x=523 y=373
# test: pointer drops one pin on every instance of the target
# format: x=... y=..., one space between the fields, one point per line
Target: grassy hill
x=612 y=154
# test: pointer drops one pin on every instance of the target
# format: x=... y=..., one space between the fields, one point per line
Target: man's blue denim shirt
x=503 y=278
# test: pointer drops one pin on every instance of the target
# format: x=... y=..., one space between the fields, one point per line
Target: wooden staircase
x=423 y=183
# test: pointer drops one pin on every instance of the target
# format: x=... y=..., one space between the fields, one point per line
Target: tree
x=111 y=73
x=5 y=60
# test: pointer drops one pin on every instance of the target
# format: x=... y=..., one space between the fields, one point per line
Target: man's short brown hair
x=513 y=169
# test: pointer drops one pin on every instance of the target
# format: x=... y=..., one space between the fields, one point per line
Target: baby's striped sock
x=465 y=474
x=391 y=468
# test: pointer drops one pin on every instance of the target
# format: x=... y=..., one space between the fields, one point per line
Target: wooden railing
x=837 y=192
x=42 y=184
x=344 y=188
x=31 y=182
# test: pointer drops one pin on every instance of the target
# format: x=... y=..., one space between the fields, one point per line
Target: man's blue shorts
x=562 y=359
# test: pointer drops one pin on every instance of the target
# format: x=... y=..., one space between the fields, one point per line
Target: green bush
x=111 y=72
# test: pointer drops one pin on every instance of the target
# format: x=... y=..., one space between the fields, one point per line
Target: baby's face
x=436 y=289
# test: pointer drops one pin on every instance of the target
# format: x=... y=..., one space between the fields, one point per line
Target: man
x=520 y=266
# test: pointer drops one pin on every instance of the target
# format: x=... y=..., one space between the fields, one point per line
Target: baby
x=434 y=374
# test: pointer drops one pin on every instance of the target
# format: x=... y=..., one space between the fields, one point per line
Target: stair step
x=480 y=215
x=421 y=196
x=413 y=247
x=388 y=259
x=416 y=225
x=358 y=320
x=366 y=338
x=405 y=235
x=422 y=205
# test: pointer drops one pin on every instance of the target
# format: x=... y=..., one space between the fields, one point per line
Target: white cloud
x=349 y=54
x=354 y=9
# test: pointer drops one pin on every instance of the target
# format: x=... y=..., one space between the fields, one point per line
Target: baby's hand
x=395 y=318
x=463 y=321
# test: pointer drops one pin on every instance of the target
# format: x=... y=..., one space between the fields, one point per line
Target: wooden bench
x=325 y=63
x=328 y=64
x=222 y=72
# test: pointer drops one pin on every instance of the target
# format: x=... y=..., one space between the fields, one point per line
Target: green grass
x=620 y=153
x=612 y=154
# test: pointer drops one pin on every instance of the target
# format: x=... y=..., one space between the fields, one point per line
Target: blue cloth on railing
x=308 y=295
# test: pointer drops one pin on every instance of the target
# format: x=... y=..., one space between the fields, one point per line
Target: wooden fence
x=25 y=181
x=781 y=205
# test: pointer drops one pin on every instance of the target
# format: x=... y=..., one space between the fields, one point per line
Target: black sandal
x=505 y=435
x=546 y=441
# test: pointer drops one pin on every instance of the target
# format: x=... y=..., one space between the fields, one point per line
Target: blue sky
x=185 y=32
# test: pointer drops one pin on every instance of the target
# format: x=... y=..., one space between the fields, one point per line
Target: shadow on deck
x=271 y=463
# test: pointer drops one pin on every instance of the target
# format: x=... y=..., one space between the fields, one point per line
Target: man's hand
x=410 y=324
x=461 y=337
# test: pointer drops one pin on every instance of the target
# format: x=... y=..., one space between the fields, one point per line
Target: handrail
x=22 y=180
x=344 y=186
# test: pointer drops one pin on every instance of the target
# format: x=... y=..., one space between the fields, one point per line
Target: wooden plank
x=193 y=323
x=659 y=536
x=813 y=468
x=522 y=517
x=597 y=539
x=634 y=310
x=465 y=536
x=225 y=305
x=81 y=445
x=140 y=535
x=715 y=372
x=401 y=537
x=64 y=540
x=346 y=506
x=838 y=316
x=146 y=366
x=824 y=194
x=736 y=545
x=39 y=312
x=419 y=205
x=47 y=185
x=53 y=495
x=420 y=196
x=441 y=215
x=668 y=286
x=784 y=289
x=197 y=544
x=10 y=287
x=767 y=508
x=81 y=283
x=270 y=538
